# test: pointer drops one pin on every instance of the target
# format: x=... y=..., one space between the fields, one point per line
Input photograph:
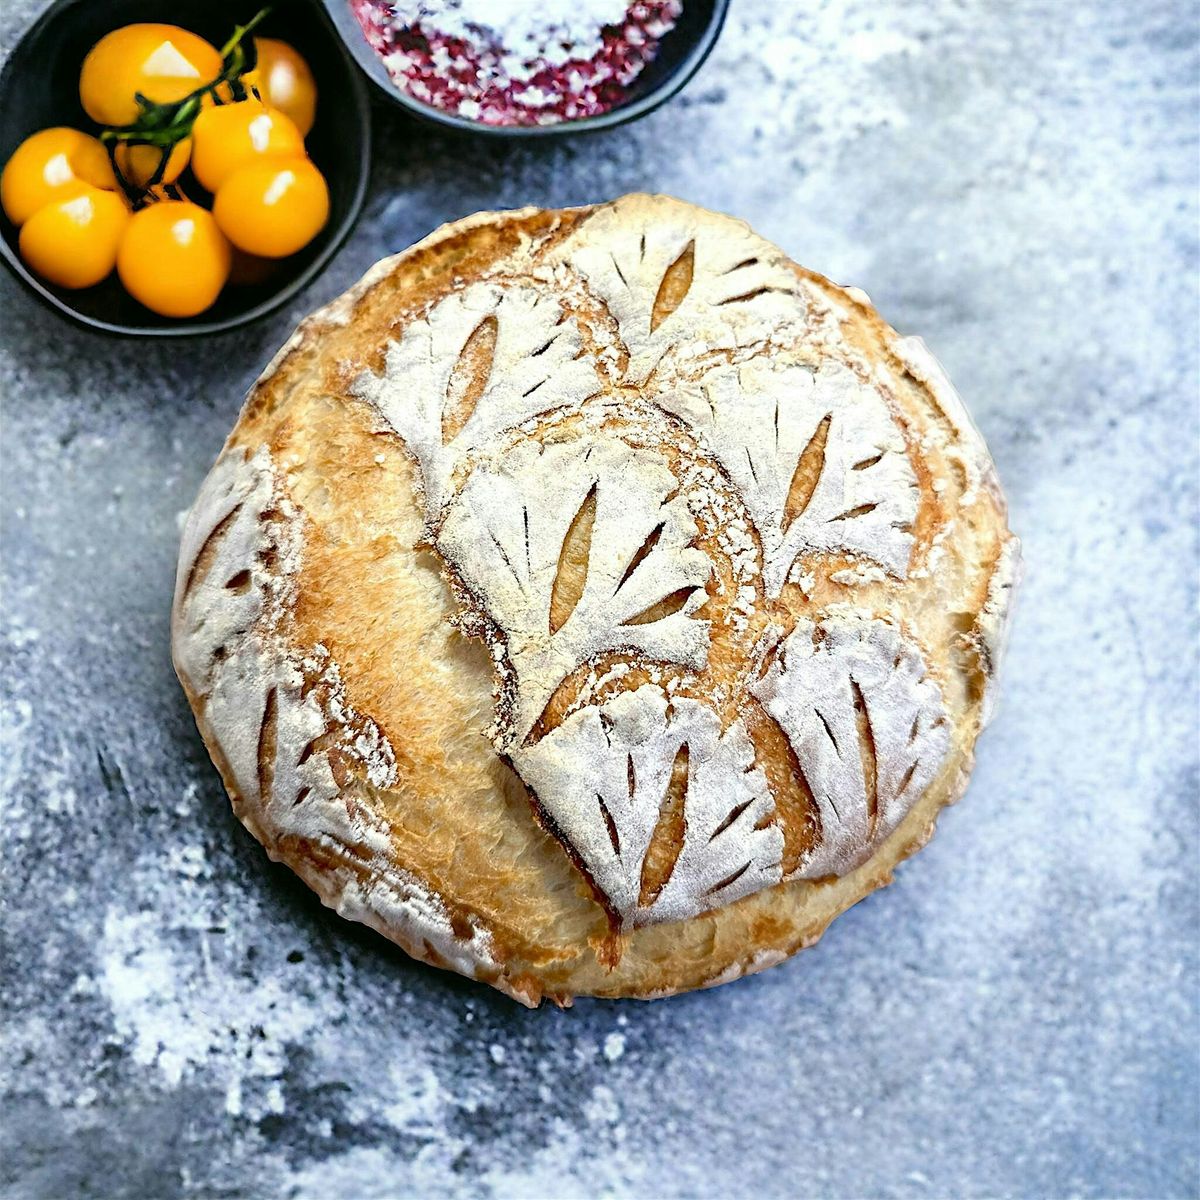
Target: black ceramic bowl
x=679 y=58
x=39 y=87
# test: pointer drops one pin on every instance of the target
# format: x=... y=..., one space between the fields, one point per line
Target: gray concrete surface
x=1015 y=1017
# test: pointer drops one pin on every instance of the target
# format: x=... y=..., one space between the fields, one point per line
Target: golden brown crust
x=441 y=851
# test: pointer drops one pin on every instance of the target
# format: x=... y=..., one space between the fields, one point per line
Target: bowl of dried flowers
x=513 y=68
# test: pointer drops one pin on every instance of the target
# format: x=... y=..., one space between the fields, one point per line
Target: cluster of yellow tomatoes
x=85 y=207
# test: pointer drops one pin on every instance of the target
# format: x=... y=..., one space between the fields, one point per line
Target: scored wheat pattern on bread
x=284 y=727
x=735 y=553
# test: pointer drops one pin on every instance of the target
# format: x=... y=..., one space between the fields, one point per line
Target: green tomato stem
x=166 y=125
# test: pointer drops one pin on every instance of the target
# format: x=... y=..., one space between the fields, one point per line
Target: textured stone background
x=1016 y=1016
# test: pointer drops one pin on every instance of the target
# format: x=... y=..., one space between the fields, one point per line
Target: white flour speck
x=614 y=1046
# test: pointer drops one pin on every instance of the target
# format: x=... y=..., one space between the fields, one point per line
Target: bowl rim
x=198 y=326
x=353 y=39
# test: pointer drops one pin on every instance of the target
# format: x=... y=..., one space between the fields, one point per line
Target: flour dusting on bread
x=279 y=718
x=733 y=553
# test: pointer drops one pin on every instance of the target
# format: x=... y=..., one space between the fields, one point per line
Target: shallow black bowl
x=679 y=58
x=39 y=87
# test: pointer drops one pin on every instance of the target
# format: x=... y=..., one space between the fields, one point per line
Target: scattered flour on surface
x=178 y=1015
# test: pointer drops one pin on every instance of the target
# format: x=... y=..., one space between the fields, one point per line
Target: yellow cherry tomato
x=229 y=136
x=173 y=258
x=54 y=164
x=273 y=208
x=162 y=62
x=284 y=81
x=74 y=242
x=139 y=163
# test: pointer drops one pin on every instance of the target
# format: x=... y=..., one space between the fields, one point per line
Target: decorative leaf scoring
x=867 y=725
x=272 y=733
x=573 y=560
x=222 y=582
x=270 y=755
x=601 y=778
x=469 y=378
x=505 y=534
x=674 y=287
x=815 y=454
x=662 y=854
x=675 y=284
x=514 y=338
x=233 y=571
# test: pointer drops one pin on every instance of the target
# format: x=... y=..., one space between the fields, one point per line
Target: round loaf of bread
x=594 y=601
